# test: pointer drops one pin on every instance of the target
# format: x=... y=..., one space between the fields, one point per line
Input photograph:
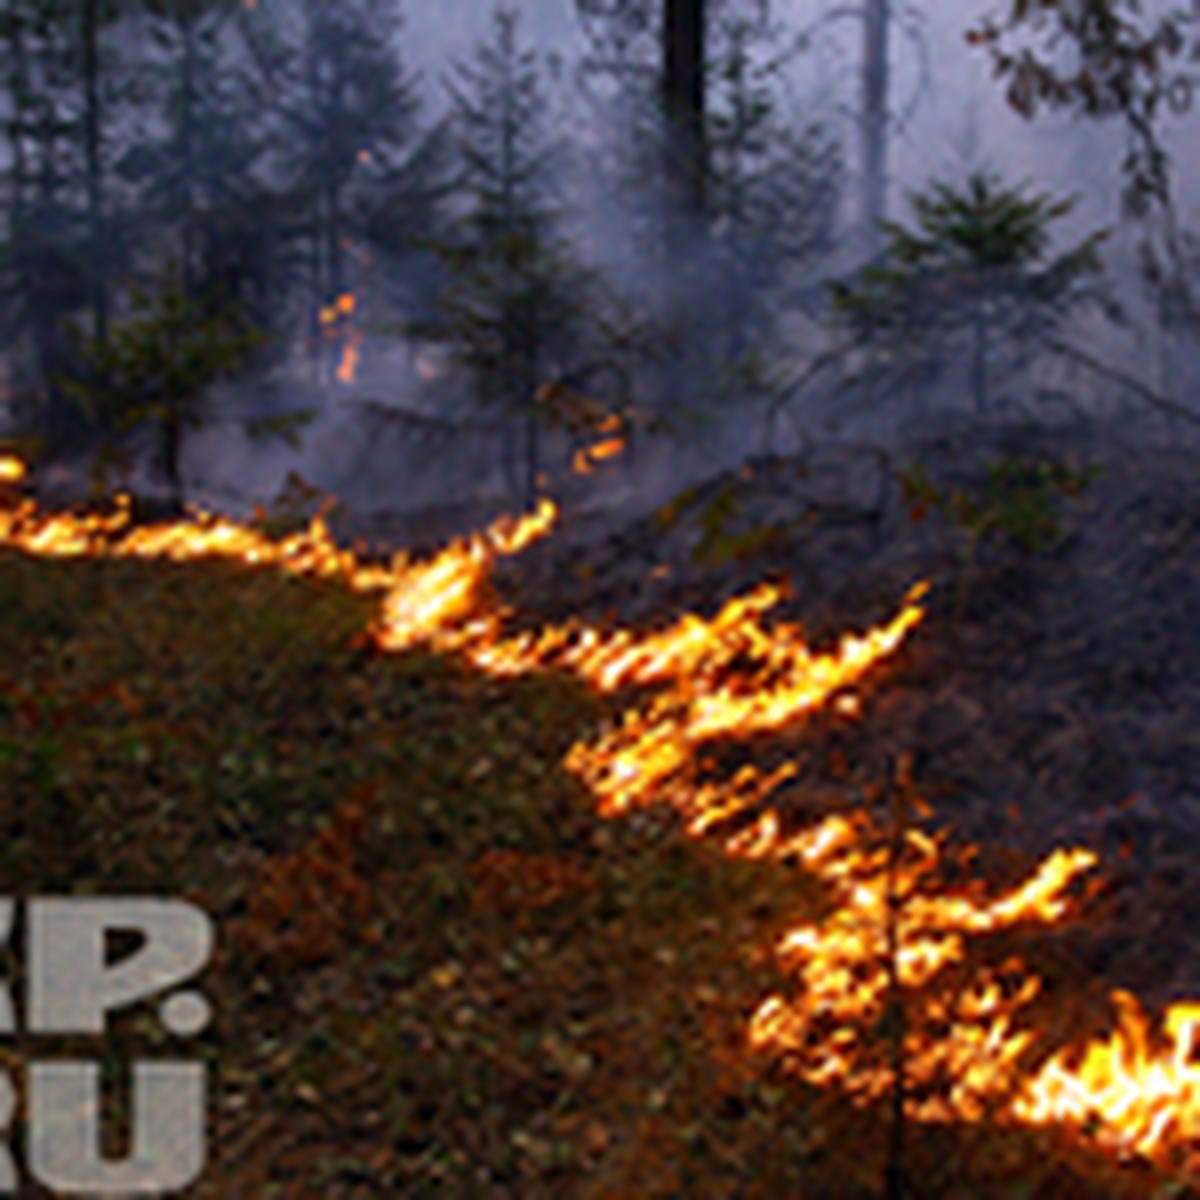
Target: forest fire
x=457 y=572
x=428 y=601
x=902 y=950
x=966 y=1051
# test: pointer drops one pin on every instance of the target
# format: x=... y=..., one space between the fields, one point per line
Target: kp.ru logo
x=71 y=987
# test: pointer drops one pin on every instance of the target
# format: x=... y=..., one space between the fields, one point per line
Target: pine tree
x=773 y=192
x=156 y=369
x=720 y=256
x=513 y=306
x=61 y=243
x=975 y=272
x=349 y=143
x=621 y=88
x=199 y=173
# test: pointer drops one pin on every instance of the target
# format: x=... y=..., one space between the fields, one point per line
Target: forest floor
x=439 y=973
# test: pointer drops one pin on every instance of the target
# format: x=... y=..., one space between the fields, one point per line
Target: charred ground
x=1052 y=696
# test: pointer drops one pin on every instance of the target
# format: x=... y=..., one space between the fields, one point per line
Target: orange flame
x=347 y=368
x=341 y=309
x=588 y=458
x=965 y=1051
x=337 y=320
x=777 y=680
x=429 y=602
x=1135 y=1098
x=968 y=1044
x=435 y=593
x=12 y=469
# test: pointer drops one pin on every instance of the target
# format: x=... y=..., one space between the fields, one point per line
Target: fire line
x=735 y=676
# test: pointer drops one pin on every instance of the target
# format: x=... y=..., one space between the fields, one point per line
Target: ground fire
x=895 y=928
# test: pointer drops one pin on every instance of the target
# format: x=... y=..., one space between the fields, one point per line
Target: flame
x=967 y=1040
x=731 y=678
x=896 y=934
x=587 y=459
x=337 y=321
x=1136 y=1098
x=612 y=440
x=963 y=1052
x=341 y=309
x=347 y=368
x=12 y=469
x=418 y=597
x=429 y=602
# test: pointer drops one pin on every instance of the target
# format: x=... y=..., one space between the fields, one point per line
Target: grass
x=438 y=972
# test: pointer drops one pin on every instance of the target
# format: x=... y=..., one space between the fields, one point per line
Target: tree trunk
x=533 y=463
x=47 y=310
x=873 y=120
x=172 y=452
x=684 y=102
x=94 y=166
x=979 y=356
x=685 y=253
x=189 y=250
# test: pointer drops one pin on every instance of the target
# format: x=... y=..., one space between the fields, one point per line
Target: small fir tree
x=975 y=273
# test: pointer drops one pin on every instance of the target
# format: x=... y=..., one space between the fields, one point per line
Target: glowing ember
x=337 y=321
x=12 y=470
x=587 y=459
x=896 y=934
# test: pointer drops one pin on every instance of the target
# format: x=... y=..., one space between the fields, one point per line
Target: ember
x=12 y=470
x=337 y=319
x=587 y=459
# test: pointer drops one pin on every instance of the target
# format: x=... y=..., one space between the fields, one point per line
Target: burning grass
x=441 y=973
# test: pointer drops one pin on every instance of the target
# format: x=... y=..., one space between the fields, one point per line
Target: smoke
x=404 y=435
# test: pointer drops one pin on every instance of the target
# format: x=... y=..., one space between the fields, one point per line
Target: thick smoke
x=403 y=435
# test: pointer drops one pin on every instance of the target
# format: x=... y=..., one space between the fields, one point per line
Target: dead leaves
x=309 y=905
x=515 y=883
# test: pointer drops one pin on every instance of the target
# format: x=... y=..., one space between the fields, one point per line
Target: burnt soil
x=1050 y=697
